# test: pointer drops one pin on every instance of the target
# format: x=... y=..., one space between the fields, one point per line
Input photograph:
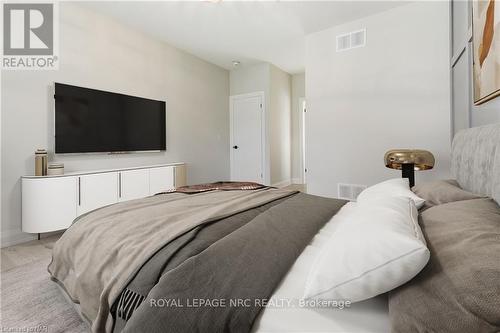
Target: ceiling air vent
x=351 y=40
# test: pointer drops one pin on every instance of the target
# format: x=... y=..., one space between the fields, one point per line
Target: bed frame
x=475 y=160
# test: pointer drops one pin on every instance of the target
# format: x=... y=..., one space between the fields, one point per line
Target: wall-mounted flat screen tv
x=91 y=121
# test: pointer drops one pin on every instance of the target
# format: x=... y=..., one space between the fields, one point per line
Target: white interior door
x=247 y=142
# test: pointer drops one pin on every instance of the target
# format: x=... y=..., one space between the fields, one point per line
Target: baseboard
x=281 y=184
x=297 y=181
x=13 y=237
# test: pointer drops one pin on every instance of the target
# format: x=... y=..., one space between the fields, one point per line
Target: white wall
x=276 y=85
x=98 y=52
x=392 y=93
x=298 y=92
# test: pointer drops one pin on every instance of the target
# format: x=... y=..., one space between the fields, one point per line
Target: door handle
x=235 y=147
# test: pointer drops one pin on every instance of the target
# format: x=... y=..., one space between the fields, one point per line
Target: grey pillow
x=459 y=289
x=442 y=191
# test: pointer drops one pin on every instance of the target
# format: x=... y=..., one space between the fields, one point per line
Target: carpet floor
x=31 y=302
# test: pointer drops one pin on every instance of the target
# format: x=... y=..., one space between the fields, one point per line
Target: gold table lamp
x=409 y=161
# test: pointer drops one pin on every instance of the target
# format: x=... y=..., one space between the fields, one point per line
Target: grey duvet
x=459 y=289
x=179 y=263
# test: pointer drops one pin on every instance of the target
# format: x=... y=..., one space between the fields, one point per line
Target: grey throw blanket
x=174 y=254
x=96 y=257
x=222 y=276
x=459 y=289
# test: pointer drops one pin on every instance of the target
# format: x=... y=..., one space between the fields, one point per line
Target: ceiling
x=250 y=32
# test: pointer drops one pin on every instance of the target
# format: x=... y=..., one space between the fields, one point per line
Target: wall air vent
x=350 y=191
x=351 y=40
x=343 y=42
x=358 y=38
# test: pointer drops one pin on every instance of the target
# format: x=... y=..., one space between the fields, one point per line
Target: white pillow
x=375 y=247
x=397 y=187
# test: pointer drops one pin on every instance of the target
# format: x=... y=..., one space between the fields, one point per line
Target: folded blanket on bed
x=222 y=186
x=98 y=255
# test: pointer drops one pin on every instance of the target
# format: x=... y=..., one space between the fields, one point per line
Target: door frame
x=302 y=138
x=264 y=161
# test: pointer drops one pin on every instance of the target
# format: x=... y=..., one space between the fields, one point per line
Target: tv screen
x=89 y=120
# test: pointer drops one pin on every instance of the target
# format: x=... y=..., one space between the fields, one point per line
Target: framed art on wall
x=486 y=42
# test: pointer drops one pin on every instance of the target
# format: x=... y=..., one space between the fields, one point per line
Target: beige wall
x=298 y=92
x=392 y=93
x=280 y=126
x=97 y=52
x=248 y=79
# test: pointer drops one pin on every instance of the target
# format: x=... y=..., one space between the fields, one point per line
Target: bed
x=459 y=289
x=118 y=263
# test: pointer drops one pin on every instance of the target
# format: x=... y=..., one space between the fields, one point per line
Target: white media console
x=51 y=203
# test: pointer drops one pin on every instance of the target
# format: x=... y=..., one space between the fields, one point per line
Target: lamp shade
x=421 y=159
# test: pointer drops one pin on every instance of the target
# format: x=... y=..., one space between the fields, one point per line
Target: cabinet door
x=97 y=190
x=161 y=179
x=48 y=204
x=134 y=184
